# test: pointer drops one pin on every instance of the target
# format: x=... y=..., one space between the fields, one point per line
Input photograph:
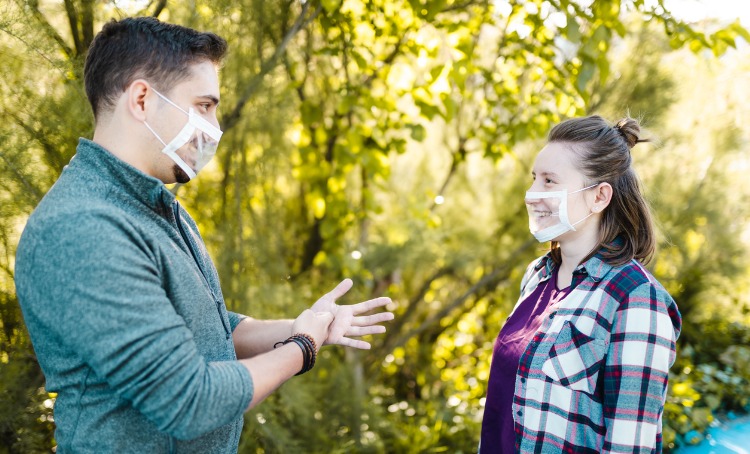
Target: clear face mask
x=550 y=220
x=202 y=135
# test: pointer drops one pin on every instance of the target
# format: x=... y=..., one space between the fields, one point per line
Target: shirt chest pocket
x=575 y=359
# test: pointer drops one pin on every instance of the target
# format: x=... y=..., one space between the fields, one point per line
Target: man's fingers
x=346 y=342
x=365 y=320
x=365 y=330
x=367 y=306
x=341 y=289
x=357 y=331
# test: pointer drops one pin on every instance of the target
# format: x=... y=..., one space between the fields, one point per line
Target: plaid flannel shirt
x=594 y=377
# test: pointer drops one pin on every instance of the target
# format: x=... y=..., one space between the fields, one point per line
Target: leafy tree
x=338 y=117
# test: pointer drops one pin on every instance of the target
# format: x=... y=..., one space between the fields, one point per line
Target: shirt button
x=551 y=316
x=519 y=413
x=523 y=380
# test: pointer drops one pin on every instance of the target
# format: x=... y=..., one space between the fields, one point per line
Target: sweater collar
x=144 y=188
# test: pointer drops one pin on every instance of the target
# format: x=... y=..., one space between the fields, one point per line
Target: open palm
x=348 y=321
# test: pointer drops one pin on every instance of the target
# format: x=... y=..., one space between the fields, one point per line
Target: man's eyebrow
x=211 y=98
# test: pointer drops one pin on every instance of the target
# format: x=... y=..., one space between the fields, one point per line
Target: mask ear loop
x=169 y=101
x=154 y=132
x=567 y=221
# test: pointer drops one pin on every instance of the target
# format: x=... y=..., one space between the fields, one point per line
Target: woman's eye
x=548 y=181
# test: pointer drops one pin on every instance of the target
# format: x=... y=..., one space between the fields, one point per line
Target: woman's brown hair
x=604 y=157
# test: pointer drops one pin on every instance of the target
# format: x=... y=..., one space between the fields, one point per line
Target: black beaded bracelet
x=309 y=349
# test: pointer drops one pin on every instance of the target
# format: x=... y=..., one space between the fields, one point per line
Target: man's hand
x=315 y=324
x=347 y=321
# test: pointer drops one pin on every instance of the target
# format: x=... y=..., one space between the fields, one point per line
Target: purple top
x=498 y=435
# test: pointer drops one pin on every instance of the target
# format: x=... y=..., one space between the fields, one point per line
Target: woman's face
x=554 y=170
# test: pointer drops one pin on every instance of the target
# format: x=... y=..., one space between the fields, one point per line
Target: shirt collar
x=144 y=188
x=594 y=267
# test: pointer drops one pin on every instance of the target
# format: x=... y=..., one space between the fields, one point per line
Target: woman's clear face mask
x=202 y=136
x=549 y=219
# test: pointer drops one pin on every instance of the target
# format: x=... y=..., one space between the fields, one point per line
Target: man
x=119 y=295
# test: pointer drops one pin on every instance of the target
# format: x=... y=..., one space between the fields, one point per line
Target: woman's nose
x=530 y=200
x=532 y=188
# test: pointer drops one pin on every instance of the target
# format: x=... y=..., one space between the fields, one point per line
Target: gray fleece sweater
x=126 y=316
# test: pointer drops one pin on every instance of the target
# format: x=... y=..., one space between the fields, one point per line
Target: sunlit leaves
x=390 y=143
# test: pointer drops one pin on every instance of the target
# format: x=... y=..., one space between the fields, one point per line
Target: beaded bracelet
x=309 y=349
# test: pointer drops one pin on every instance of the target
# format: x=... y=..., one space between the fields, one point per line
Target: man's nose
x=215 y=121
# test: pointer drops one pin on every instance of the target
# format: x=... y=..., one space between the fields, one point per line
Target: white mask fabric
x=559 y=210
x=198 y=130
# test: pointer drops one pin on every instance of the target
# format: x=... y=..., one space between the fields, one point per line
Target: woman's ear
x=602 y=197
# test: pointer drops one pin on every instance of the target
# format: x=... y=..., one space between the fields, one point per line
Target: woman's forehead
x=557 y=159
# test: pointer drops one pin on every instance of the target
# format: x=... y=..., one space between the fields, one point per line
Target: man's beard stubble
x=179 y=175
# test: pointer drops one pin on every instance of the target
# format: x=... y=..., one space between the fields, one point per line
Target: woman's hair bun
x=630 y=130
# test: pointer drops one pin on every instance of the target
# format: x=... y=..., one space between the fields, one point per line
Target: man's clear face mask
x=549 y=220
x=202 y=136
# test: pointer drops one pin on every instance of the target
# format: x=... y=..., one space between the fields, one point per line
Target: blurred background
x=390 y=141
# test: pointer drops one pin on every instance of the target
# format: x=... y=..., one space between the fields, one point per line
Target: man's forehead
x=203 y=81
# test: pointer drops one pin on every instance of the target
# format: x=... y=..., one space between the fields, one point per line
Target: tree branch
x=54 y=158
x=29 y=187
x=160 y=5
x=456 y=158
x=462 y=6
x=49 y=30
x=387 y=61
x=87 y=25
x=70 y=10
x=488 y=280
x=233 y=117
x=411 y=308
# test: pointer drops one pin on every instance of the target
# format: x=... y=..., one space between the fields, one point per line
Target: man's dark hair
x=144 y=48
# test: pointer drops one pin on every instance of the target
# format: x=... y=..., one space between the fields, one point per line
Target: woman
x=581 y=364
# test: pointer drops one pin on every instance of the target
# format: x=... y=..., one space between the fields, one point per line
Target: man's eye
x=548 y=181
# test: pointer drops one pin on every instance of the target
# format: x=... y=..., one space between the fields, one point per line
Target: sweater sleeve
x=235 y=319
x=93 y=283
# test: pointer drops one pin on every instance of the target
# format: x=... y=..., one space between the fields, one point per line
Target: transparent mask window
x=544 y=209
x=205 y=147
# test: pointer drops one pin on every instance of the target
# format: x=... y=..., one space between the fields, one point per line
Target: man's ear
x=602 y=197
x=137 y=99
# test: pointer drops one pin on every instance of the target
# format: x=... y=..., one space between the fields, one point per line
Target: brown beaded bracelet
x=309 y=349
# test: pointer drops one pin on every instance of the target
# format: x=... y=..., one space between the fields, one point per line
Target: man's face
x=199 y=92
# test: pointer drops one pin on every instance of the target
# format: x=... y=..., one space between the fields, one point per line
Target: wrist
x=309 y=349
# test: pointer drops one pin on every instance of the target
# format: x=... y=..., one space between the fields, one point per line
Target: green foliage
x=26 y=423
x=711 y=376
x=390 y=142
